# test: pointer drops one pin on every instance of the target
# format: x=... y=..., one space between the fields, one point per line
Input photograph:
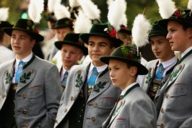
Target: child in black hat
x=61 y=28
x=134 y=108
x=175 y=95
x=72 y=51
x=30 y=86
x=89 y=95
x=160 y=68
x=124 y=34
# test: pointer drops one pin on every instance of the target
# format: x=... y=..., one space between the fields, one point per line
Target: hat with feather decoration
x=140 y=31
x=103 y=30
x=127 y=54
x=169 y=12
x=62 y=15
x=27 y=26
x=4 y=12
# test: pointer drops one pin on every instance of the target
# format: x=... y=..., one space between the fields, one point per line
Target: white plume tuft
x=74 y=3
x=166 y=8
x=109 y=2
x=90 y=9
x=116 y=15
x=61 y=11
x=35 y=9
x=140 y=30
x=4 y=13
x=189 y=6
x=124 y=20
x=51 y=4
x=82 y=23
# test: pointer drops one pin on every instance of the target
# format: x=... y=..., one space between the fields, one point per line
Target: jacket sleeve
x=187 y=123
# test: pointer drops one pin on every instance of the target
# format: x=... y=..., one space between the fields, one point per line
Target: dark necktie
x=64 y=80
x=159 y=72
x=93 y=77
x=19 y=71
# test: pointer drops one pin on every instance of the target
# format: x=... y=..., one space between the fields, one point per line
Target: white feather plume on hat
x=82 y=23
x=166 y=8
x=90 y=9
x=116 y=15
x=61 y=11
x=4 y=12
x=74 y=3
x=189 y=5
x=109 y=2
x=35 y=9
x=51 y=4
x=140 y=30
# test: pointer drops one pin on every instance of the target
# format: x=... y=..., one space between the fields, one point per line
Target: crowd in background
x=82 y=73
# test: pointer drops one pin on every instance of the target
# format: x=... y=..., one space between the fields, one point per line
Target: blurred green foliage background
x=134 y=7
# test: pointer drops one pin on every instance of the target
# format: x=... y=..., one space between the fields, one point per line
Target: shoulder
x=6 y=64
x=79 y=67
x=139 y=94
x=43 y=62
x=151 y=63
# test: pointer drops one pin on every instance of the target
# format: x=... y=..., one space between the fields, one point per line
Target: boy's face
x=125 y=38
x=70 y=55
x=21 y=43
x=98 y=46
x=61 y=33
x=120 y=74
x=178 y=37
x=161 y=48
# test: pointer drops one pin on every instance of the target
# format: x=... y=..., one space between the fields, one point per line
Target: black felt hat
x=103 y=30
x=5 y=24
x=27 y=26
x=63 y=23
x=183 y=17
x=127 y=54
x=124 y=29
x=72 y=39
x=159 y=28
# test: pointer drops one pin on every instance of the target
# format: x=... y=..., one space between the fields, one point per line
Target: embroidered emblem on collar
x=99 y=86
x=25 y=77
x=149 y=76
x=79 y=80
x=8 y=78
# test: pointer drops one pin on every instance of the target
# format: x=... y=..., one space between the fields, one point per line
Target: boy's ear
x=189 y=30
x=133 y=71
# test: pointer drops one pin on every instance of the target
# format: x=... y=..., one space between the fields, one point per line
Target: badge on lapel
x=99 y=86
x=8 y=78
x=176 y=72
x=149 y=75
x=26 y=76
x=79 y=80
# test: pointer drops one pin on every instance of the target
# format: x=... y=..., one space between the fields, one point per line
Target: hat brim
x=141 y=69
x=34 y=35
x=63 y=26
x=115 y=42
x=186 y=23
x=59 y=45
x=125 y=31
